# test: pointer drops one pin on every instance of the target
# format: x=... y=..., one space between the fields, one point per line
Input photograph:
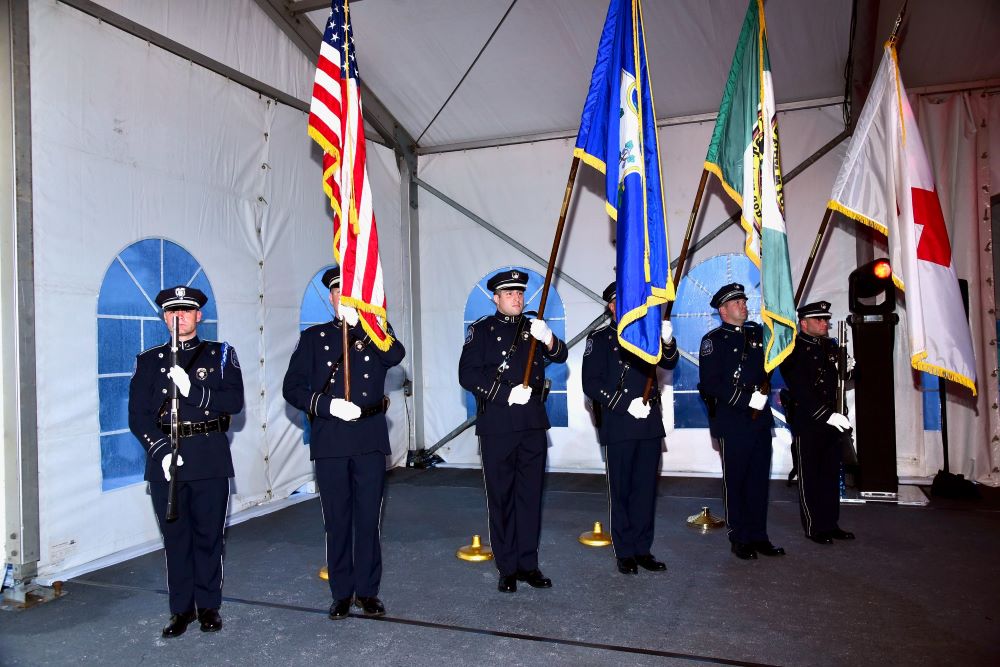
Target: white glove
x=758 y=400
x=519 y=395
x=541 y=331
x=850 y=364
x=667 y=331
x=344 y=410
x=638 y=409
x=166 y=464
x=181 y=379
x=349 y=314
x=839 y=422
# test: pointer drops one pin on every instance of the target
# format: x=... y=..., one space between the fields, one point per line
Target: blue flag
x=618 y=137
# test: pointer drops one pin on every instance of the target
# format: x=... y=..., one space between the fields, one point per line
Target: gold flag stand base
x=705 y=520
x=596 y=537
x=475 y=552
x=324 y=574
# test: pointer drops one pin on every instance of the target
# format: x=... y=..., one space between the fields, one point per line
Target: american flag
x=335 y=123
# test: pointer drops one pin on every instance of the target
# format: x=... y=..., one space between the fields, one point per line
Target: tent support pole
x=17 y=308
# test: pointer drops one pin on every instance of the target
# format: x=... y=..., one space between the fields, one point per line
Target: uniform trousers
x=633 y=471
x=350 y=489
x=746 y=471
x=514 y=469
x=193 y=543
x=819 y=479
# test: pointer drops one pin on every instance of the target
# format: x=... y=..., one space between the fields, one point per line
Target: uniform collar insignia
x=189 y=344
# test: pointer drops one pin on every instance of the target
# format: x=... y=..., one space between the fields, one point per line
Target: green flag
x=744 y=154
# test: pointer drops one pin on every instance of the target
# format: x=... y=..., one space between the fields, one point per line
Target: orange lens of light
x=882 y=270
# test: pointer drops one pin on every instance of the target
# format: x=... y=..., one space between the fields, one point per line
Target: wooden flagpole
x=574 y=166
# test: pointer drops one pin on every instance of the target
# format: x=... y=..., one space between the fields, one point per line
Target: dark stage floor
x=919 y=587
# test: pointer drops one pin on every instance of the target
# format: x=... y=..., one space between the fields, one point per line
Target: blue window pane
x=180 y=268
x=689 y=410
x=121 y=296
x=154 y=332
x=557 y=409
x=931 y=388
x=113 y=410
x=480 y=303
x=316 y=307
x=123 y=461
x=118 y=341
x=128 y=324
x=144 y=262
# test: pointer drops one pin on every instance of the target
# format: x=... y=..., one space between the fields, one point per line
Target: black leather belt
x=188 y=429
x=377 y=409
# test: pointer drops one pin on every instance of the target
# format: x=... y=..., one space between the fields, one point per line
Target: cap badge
x=180 y=292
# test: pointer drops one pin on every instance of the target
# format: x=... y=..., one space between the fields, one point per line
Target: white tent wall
x=131 y=142
x=957 y=135
x=236 y=33
x=518 y=189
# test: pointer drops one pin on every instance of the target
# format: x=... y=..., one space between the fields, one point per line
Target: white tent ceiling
x=532 y=76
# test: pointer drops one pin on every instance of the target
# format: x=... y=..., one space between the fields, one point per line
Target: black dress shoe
x=535 y=579
x=839 y=534
x=822 y=538
x=340 y=609
x=648 y=562
x=744 y=551
x=210 y=619
x=627 y=566
x=508 y=584
x=765 y=548
x=370 y=606
x=178 y=624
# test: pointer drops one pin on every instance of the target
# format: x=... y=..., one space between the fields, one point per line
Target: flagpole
x=812 y=255
x=552 y=262
x=682 y=258
x=681 y=261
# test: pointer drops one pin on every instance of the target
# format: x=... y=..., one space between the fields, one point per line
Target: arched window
x=128 y=322
x=480 y=303
x=316 y=309
x=693 y=318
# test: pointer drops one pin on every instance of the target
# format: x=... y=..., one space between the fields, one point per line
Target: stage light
x=870 y=290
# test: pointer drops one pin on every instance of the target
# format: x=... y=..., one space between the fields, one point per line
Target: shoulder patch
x=469 y=333
x=229 y=352
x=590 y=346
x=706 y=346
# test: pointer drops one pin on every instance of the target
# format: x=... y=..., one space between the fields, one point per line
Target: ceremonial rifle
x=175 y=440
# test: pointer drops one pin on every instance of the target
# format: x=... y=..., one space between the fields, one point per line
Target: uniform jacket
x=319 y=350
x=612 y=377
x=731 y=367
x=810 y=372
x=487 y=349
x=216 y=390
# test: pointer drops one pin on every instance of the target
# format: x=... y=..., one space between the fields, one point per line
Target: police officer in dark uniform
x=632 y=433
x=511 y=424
x=810 y=372
x=731 y=372
x=210 y=386
x=348 y=443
